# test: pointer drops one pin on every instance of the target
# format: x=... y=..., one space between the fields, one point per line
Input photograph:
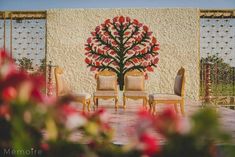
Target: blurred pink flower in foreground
x=17 y=85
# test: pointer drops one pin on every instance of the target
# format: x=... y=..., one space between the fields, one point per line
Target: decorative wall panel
x=217 y=47
x=23 y=35
x=177 y=32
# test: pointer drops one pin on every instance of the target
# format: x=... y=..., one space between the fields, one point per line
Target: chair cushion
x=164 y=97
x=82 y=96
x=134 y=83
x=105 y=93
x=136 y=93
x=178 y=85
x=106 y=82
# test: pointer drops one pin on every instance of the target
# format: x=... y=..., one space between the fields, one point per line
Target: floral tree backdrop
x=120 y=45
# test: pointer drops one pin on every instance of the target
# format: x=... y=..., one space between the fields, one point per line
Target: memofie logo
x=23 y=152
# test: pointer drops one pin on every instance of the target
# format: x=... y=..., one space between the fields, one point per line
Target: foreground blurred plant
x=197 y=136
x=19 y=93
x=30 y=120
x=55 y=128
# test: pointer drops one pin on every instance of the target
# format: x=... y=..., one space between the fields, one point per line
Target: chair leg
x=83 y=105
x=124 y=102
x=88 y=105
x=97 y=102
x=145 y=103
x=182 y=107
x=176 y=108
x=150 y=106
x=154 y=107
x=116 y=104
x=95 y=99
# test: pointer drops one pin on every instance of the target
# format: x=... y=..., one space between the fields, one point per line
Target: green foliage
x=222 y=75
x=201 y=140
x=25 y=63
x=227 y=150
x=42 y=67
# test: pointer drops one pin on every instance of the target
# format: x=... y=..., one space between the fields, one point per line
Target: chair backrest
x=106 y=80
x=179 y=85
x=61 y=87
x=134 y=81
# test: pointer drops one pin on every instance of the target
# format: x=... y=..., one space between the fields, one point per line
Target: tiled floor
x=122 y=120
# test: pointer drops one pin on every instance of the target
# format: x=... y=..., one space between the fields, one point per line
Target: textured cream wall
x=177 y=31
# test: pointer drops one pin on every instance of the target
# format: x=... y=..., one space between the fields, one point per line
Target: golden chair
x=106 y=87
x=63 y=89
x=176 y=98
x=134 y=87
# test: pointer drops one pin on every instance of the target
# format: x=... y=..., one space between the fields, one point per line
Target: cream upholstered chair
x=176 y=98
x=106 y=87
x=62 y=89
x=134 y=87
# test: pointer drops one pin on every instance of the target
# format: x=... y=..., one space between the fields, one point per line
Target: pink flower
x=112 y=52
x=150 y=69
x=136 y=22
x=150 y=144
x=155 y=61
x=128 y=19
x=67 y=110
x=4 y=110
x=44 y=146
x=106 y=33
x=143 y=51
x=107 y=22
x=97 y=29
x=97 y=63
x=115 y=19
x=145 y=115
x=156 y=48
x=50 y=100
x=167 y=122
x=89 y=40
x=136 y=48
x=4 y=57
x=154 y=40
x=130 y=52
x=106 y=48
x=127 y=33
x=145 y=64
x=145 y=28
x=135 y=60
x=140 y=24
x=149 y=33
x=93 y=33
x=99 y=112
x=88 y=61
x=9 y=93
x=121 y=19
x=93 y=69
x=36 y=95
x=87 y=48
